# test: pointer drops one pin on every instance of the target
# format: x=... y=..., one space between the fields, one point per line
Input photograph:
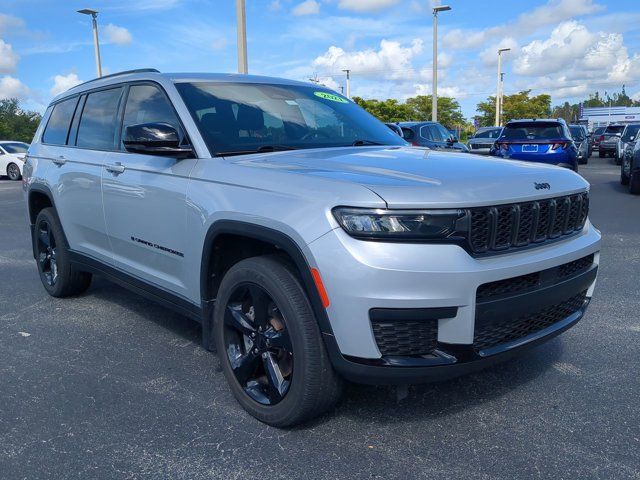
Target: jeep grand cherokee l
x=309 y=240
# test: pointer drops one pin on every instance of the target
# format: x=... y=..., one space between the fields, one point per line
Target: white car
x=12 y=158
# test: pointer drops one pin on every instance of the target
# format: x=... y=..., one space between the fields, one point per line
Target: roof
x=412 y=124
x=152 y=74
x=533 y=120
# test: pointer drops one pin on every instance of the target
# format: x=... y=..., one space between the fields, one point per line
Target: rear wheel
x=270 y=346
x=601 y=154
x=13 y=172
x=625 y=169
x=58 y=276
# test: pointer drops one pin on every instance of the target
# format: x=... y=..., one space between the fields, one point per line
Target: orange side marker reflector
x=320 y=287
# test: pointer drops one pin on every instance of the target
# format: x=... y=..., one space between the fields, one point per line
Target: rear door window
x=407 y=133
x=99 y=121
x=58 y=125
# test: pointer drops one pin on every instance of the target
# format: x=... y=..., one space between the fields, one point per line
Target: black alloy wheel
x=13 y=172
x=46 y=249
x=257 y=344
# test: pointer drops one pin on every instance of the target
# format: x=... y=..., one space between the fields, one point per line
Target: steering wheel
x=314 y=134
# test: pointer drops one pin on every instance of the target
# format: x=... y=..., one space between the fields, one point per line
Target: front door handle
x=59 y=161
x=116 y=168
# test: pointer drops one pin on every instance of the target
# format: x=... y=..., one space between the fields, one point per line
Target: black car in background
x=581 y=139
x=430 y=134
x=630 y=164
x=484 y=138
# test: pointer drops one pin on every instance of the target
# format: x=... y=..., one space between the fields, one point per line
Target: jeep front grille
x=517 y=225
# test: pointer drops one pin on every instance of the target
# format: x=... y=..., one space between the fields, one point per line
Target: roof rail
x=125 y=72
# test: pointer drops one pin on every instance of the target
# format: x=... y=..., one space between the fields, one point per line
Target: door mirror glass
x=154 y=139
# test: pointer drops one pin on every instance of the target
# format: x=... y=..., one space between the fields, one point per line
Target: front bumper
x=362 y=276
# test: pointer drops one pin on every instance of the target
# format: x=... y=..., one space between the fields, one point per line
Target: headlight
x=398 y=224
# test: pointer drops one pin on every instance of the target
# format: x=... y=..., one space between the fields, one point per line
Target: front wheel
x=634 y=183
x=625 y=168
x=270 y=346
x=13 y=172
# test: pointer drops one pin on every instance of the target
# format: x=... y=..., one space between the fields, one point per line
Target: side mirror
x=154 y=139
x=453 y=139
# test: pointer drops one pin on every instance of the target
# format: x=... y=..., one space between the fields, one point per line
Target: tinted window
x=98 y=123
x=493 y=133
x=16 y=147
x=631 y=131
x=407 y=133
x=148 y=104
x=577 y=133
x=242 y=117
x=598 y=131
x=533 y=131
x=614 y=129
x=436 y=133
x=59 y=121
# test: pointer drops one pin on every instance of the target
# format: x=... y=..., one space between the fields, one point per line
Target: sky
x=566 y=48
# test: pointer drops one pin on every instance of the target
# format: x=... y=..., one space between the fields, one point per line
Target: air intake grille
x=517 y=225
x=406 y=337
x=491 y=334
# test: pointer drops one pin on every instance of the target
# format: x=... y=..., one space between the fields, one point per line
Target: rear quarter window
x=57 y=128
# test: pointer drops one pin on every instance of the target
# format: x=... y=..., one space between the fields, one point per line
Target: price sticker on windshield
x=331 y=96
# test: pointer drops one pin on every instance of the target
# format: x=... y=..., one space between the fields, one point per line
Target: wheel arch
x=281 y=242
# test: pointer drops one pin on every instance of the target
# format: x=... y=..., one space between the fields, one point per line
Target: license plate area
x=530 y=148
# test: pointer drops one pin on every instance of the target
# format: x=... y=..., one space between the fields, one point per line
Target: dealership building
x=602 y=116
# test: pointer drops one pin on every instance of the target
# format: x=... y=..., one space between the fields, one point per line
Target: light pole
x=434 y=95
x=348 y=82
x=499 y=90
x=96 y=43
x=243 y=67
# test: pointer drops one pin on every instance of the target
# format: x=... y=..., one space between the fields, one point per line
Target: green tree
x=416 y=109
x=570 y=112
x=518 y=105
x=15 y=123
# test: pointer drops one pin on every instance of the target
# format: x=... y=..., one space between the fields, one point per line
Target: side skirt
x=136 y=285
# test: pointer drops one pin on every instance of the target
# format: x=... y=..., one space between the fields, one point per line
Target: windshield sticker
x=331 y=96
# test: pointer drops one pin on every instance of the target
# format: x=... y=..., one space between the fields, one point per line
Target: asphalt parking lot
x=110 y=385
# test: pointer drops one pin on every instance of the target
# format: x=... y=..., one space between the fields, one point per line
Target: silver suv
x=309 y=240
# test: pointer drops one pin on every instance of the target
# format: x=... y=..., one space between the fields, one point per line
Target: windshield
x=239 y=118
x=631 y=131
x=614 y=129
x=493 y=133
x=17 y=147
x=532 y=131
x=577 y=133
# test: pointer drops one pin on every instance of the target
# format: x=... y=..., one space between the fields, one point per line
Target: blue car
x=431 y=135
x=543 y=141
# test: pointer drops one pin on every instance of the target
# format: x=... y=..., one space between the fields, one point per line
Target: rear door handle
x=61 y=160
x=116 y=168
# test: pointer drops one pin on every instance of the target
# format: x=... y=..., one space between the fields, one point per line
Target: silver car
x=484 y=138
x=581 y=140
x=311 y=243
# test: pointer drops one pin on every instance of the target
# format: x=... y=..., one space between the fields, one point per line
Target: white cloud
x=62 y=83
x=391 y=60
x=308 y=7
x=116 y=34
x=489 y=55
x=275 y=5
x=8 y=58
x=10 y=24
x=574 y=61
x=366 y=5
x=11 y=87
x=553 y=12
x=219 y=43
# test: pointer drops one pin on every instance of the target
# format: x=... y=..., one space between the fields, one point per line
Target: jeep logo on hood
x=542 y=186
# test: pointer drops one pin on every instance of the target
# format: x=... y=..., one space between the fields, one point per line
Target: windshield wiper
x=360 y=143
x=262 y=149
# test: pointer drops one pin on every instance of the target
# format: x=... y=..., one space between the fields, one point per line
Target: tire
x=13 y=172
x=312 y=387
x=624 y=178
x=58 y=276
x=601 y=154
x=634 y=183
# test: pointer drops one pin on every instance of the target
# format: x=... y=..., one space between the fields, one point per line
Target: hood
x=409 y=177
